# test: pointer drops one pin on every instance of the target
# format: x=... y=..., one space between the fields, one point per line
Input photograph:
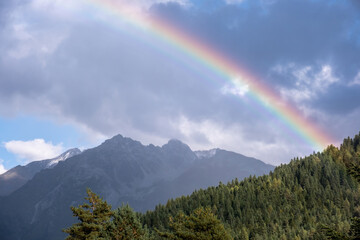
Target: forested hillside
x=292 y=202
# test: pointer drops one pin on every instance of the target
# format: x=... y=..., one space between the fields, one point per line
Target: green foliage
x=202 y=224
x=355 y=228
x=97 y=221
x=353 y=234
x=94 y=218
x=289 y=203
x=349 y=148
x=126 y=225
x=331 y=233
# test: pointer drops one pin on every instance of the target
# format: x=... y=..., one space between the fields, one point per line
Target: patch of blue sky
x=26 y=128
x=353 y=32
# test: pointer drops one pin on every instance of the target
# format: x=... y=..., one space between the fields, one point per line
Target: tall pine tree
x=126 y=225
x=202 y=224
x=94 y=218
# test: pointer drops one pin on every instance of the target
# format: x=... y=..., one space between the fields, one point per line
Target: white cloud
x=67 y=9
x=356 y=80
x=236 y=89
x=319 y=81
x=233 y=138
x=233 y=1
x=308 y=82
x=297 y=95
x=148 y=3
x=33 y=42
x=36 y=149
x=2 y=168
x=324 y=78
x=59 y=7
x=28 y=38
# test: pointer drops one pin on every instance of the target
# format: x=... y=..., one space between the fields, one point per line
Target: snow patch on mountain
x=68 y=154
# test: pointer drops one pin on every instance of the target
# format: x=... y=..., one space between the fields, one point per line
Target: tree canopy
x=94 y=218
x=202 y=224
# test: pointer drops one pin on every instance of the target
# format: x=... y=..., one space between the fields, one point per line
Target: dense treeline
x=289 y=203
x=98 y=221
x=310 y=198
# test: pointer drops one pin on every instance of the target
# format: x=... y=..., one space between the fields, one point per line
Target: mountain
x=210 y=168
x=16 y=177
x=122 y=171
x=294 y=201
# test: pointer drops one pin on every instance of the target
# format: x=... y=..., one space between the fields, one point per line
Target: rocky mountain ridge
x=122 y=171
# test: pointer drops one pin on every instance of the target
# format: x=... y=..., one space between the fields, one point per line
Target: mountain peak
x=68 y=154
x=175 y=141
x=179 y=154
x=117 y=137
x=119 y=140
x=176 y=145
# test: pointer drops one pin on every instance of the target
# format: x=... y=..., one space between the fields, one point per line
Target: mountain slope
x=289 y=203
x=208 y=170
x=16 y=177
x=120 y=170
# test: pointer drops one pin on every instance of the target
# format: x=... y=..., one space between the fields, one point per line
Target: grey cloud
x=7 y=8
x=298 y=31
x=302 y=32
x=113 y=82
x=145 y=86
x=340 y=100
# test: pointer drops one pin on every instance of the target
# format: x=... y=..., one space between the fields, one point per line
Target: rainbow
x=220 y=64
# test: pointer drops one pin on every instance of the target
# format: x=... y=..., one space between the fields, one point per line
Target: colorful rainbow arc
x=219 y=64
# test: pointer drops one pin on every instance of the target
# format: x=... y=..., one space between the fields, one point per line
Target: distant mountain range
x=39 y=195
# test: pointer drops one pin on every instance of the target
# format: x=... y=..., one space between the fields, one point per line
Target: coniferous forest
x=315 y=197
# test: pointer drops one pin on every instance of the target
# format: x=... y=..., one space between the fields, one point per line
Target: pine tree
x=126 y=225
x=202 y=224
x=94 y=219
x=353 y=169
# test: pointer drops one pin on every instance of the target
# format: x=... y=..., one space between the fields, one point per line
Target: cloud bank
x=70 y=62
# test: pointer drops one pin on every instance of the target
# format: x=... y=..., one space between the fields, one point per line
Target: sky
x=74 y=73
